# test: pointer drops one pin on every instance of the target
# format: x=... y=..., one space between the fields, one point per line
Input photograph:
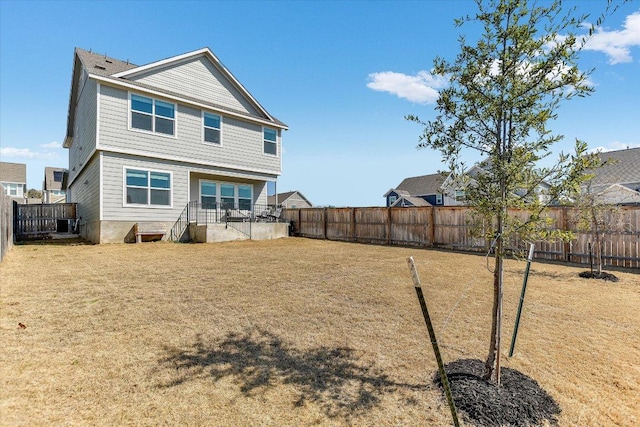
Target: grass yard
x=294 y=332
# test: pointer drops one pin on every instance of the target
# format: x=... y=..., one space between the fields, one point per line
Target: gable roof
x=410 y=201
x=284 y=196
x=422 y=185
x=105 y=69
x=623 y=169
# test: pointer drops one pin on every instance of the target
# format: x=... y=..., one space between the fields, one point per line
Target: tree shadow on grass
x=332 y=378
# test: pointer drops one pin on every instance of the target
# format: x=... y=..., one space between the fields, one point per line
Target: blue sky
x=341 y=75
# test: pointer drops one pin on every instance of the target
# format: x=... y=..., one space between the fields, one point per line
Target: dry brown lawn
x=293 y=332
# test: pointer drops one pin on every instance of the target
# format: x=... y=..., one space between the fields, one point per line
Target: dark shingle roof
x=623 y=169
x=102 y=65
x=13 y=172
x=422 y=185
x=50 y=183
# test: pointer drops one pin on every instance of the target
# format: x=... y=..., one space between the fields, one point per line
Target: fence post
x=353 y=224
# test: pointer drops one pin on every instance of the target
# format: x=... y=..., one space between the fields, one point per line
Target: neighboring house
x=13 y=178
x=54 y=185
x=439 y=189
x=290 y=200
x=144 y=141
x=425 y=187
x=618 y=181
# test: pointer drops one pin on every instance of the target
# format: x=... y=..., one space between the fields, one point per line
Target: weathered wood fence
x=448 y=227
x=6 y=223
x=37 y=221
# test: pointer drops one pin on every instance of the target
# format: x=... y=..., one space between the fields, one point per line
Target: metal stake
x=434 y=342
x=524 y=288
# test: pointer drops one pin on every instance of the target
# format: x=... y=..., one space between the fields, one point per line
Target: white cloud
x=617 y=44
x=613 y=146
x=421 y=88
x=53 y=144
x=25 y=153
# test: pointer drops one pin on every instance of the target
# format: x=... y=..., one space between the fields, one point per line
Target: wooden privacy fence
x=37 y=221
x=448 y=227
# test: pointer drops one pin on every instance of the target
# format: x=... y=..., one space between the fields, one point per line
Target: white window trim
x=148 y=205
x=439 y=199
x=153 y=115
x=236 y=199
x=19 y=188
x=213 y=144
x=263 y=141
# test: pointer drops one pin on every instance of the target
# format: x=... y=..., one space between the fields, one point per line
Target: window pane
x=57 y=176
x=270 y=148
x=212 y=135
x=208 y=189
x=141 y=121
x=136 y=177
x=244 y=204
x=141 y=103
x=137 y=195
x=270 y=135
x=244 y=191
x=227 y=202
x=160 y=180
x=209 y=202
x=164 y=126
x=160 y=197
x=212 y=120
x=227 y=190
x=164 y=109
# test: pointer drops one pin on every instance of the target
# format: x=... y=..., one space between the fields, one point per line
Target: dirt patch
x=519 y=401
x=594 y=275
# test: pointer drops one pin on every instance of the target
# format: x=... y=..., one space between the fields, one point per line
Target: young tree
x=502 y=94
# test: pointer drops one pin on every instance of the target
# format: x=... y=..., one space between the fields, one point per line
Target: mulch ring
x=518 y=402
x=595 y=275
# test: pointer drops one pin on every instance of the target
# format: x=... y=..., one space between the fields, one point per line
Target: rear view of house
x=145 y=141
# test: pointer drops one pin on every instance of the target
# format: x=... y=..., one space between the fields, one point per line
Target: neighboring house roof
x=420 y=185
x=13 y=172
x=616 y=194
x=623 y=168
x=121 y=73
x=50 y=175
x=410 y=201
x=282 y=197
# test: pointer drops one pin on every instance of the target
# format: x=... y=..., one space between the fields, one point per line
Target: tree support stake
x=434 y=342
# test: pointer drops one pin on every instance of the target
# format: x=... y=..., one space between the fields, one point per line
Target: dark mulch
x=595 y=275
x=518 y=402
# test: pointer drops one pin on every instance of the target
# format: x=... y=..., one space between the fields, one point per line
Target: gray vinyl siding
x=85 y=191
x=200 y=79
x=84 y=133
x=241 y=148
x=297 y=202
x=113 y=206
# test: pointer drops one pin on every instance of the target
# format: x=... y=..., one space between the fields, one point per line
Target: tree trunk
x=492 y=364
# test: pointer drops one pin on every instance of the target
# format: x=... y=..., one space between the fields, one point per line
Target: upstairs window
x=211 y=128
x=150 y=188
x=152 y=115
x=270 y=137
x=57 y=176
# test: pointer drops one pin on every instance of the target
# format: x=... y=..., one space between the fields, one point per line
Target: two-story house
x=54 y=185
x=144 y=141
x=423 y=190
x=13 y=179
